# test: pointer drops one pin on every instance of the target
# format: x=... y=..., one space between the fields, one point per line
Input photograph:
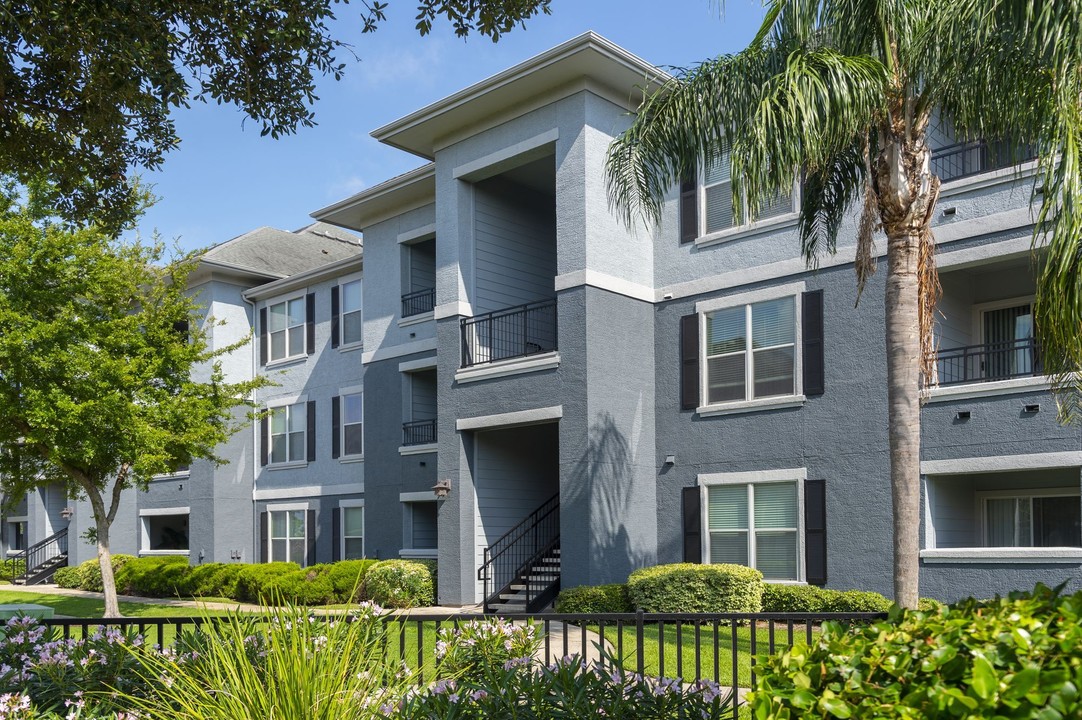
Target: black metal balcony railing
x=960 y=160
x=509 y=333
x=987 y=363
x=420 y=301
x=419 y=432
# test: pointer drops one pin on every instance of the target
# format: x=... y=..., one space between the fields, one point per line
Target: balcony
x=418 y=432
x=988 y=363
x=417 y=303
x=966 y=159
x=513 y=332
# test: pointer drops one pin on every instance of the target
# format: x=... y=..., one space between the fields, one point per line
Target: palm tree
x=840 y=95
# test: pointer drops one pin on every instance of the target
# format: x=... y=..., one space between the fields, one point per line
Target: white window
x=353 y=424
x=717 y=199
x=288 y=433
x=286 y=328
x=351 y=323
x=288 y=536
x=1038 y=519
x=749 y=351
x=757 y=524
x=352 y=532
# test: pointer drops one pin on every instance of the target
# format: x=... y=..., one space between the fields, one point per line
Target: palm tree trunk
x=903 y=408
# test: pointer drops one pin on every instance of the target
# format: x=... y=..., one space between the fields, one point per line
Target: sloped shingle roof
x=280 y=253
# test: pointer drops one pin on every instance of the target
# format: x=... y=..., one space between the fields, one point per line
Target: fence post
x=640 y=640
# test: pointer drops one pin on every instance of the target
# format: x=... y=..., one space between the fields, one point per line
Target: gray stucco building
x=591 y=398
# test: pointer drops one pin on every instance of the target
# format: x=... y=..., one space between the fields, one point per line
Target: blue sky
x=225 y=179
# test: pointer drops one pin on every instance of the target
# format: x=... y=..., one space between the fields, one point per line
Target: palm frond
x=826 y=196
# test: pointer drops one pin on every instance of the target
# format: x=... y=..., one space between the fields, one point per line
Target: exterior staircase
x=521 y=570
x=39 y=562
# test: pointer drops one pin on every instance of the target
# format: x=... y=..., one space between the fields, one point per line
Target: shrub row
x=390 y=583
x=685 y=588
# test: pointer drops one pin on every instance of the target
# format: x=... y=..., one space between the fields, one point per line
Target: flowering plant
x=468 y=650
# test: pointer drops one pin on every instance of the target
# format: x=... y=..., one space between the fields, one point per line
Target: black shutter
x=811 y=328
x=692 y=512
x=264 y=440
x=689 y=210
x=815 y=531
x=311 y=532
x=262 y=336
x=335 y=316
x=310 y=323
x=336 y=426
x=311 y=431
x=689 y=362
x=336 y=534
x=264 y=538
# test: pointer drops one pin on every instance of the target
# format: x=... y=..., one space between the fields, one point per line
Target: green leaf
x=803 y=700
x=985 y=682
x=836 y=707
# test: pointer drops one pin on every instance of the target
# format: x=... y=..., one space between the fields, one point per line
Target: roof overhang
x=344 y=266
x=406 y=192
x=589 y=57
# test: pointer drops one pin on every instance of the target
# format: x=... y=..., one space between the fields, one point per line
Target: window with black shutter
x=811 y=327
x=815 y=531
x=689 y=362
x=692 y=522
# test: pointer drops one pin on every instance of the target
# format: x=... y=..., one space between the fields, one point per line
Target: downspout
x=255 y=432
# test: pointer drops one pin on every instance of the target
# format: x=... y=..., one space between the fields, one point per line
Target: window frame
x=342 y=394
x=983 y=496
x=343 y=506
x=750 y=402
x=344 y=344
x=760 y=223
x=144 y=529
x=297 y=296
x=408 y=501
x=303 y=509
x=287 y=404
x=798 y=476
x=9 y=525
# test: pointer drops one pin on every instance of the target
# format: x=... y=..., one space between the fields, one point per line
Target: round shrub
x=154 y=576
x=855 y=601
x=401 y=584
x=792 y=598
x=690 y=588
x=253 y=581
x=1015 y=657
x=594 y=599
x=68 y=577
x=307 y=586
x=90 y=572
x=347 y=579
x=212 y=580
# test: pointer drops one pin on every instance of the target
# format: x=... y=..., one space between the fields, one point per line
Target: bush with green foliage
x=594 y=599
x=812 y=599
x=401 y=583
x=154 y=576
x=253 y=582
x=1013 y=657
x=212 y=580
x=90 y=571
x=68 y=577
x=690 y=588
x=347 y=579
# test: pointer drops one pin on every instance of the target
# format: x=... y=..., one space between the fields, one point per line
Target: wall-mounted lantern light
x=442 y=488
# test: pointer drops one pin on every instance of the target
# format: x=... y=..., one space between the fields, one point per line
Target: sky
x=225 y=179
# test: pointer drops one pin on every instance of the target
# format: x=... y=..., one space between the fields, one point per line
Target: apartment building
x=608 y=398
x=538 y=396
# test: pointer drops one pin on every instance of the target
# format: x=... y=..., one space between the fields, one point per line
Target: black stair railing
x=517 y=557
x=38 y=557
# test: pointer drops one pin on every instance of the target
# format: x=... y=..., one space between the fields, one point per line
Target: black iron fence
x=989 y=362
x=419 y=432
x=960 y=160
x=420 y=301
x=721 y=647
x=509 y=333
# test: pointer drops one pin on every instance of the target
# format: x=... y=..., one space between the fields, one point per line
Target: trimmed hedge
x=809 y=598
x=90 y=571
x=594 y=599
x=347 y=578
x=254 y=581
x=68 y=577
x=689 y=587
x=401 y=583
x=1014 y=657
x=154 y=576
